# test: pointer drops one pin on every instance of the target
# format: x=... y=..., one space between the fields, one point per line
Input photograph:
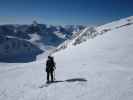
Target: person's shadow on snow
x=76 y=80
x=72 y=80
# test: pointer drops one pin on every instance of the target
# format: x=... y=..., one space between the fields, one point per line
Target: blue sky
x=88 y=12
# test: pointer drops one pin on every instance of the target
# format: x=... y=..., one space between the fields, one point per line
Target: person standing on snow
x=50 y=67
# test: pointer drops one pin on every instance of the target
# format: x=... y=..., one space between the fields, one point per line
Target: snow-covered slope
x=91 y=32
x=100 y=68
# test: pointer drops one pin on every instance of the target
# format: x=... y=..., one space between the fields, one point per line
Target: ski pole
x=54 y=74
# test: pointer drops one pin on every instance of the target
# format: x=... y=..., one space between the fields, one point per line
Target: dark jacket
x=50 y=65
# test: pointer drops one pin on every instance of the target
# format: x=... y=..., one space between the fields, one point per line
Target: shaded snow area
x=98 y=69
x=17 y=50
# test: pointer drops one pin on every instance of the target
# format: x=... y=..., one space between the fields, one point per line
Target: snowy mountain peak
x=35 y=23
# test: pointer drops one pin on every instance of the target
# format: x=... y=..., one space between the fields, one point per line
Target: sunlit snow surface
x=99 y=69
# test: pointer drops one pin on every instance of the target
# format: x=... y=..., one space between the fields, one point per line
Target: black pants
x=50 y=74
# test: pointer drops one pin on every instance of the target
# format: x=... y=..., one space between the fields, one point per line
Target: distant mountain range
x=21 y=43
